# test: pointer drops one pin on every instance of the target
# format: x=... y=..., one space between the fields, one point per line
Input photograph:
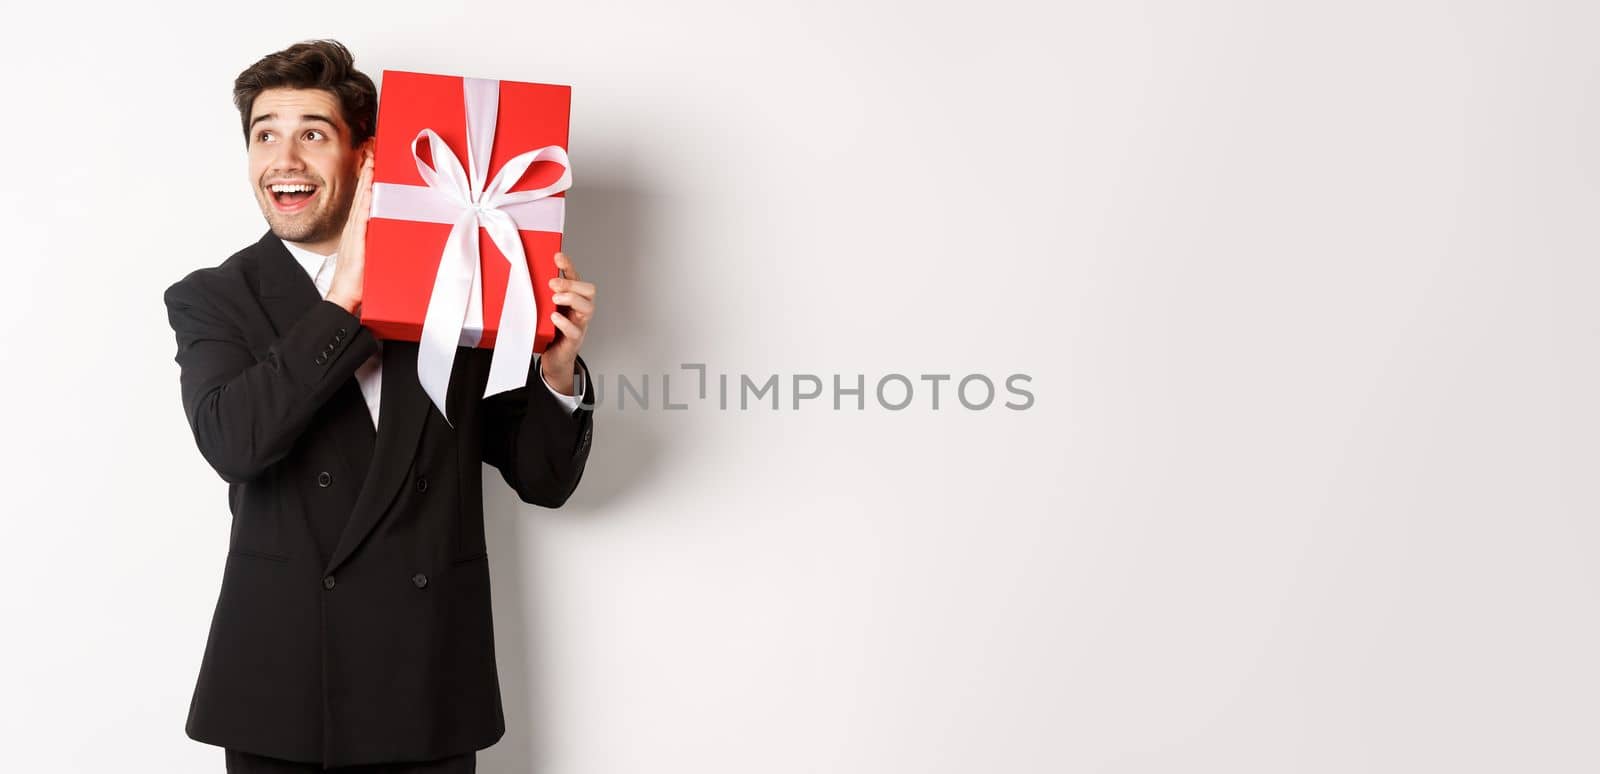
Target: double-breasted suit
x=353 y=623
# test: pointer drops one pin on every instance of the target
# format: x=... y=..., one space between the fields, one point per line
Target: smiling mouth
x=291 y=197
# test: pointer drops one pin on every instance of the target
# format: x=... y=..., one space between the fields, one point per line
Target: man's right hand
x=347 y=274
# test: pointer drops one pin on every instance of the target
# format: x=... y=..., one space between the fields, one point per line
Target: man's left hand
x=559 y=361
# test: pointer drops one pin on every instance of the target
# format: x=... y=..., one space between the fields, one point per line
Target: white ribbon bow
x=455 y=310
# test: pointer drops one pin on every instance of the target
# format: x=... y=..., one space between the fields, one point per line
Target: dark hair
x=312 y=64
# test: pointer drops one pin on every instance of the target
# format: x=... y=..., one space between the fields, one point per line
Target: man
x=353 y=623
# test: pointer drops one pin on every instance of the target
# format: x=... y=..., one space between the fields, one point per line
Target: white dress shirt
x=370 y=374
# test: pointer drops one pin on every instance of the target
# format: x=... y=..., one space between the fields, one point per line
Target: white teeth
x=290 y=188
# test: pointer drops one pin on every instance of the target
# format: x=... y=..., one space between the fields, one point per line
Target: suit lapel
x=401 y=412
x=286 y=294
x=286 y=291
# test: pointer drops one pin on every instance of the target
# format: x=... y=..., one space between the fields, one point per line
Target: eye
x=262 y=135
x=317 y=132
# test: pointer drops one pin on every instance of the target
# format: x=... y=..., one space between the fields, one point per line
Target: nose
x=286 y=158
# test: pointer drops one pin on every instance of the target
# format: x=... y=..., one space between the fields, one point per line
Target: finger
x=565 y=264
x=363 y=203
x=568 y=327
x=355 y=226
x=364 y=179
x=572 y=286
x=358 y=209
x=364 y=185
x=352 y=221
x=575 y=301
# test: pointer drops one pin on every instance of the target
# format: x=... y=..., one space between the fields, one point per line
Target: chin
x=307 y=229
x=290 y=232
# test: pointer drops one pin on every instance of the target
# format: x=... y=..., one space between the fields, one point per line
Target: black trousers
x=240 y=762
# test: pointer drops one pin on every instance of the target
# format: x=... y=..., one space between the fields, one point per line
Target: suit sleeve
x=537 y=443
x=246 y=414
x=569 y=402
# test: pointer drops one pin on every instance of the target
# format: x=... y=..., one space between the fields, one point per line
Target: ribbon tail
x=472 y=324
x=447 y=307
x=513 y=343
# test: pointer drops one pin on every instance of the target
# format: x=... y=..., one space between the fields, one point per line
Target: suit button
x=322 y=358
x=422 y=484
x=419 y=579
x=327 y=582
x=341 y=332
x=324 y=478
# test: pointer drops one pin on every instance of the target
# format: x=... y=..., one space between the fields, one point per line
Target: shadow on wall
x=608 y=235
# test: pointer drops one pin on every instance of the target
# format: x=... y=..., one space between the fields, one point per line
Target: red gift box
x=432 y=183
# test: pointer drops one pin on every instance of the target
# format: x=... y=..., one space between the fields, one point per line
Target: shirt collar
x=308 y=260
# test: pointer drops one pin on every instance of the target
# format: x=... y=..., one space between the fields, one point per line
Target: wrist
x=561 y=382
x=347 y=304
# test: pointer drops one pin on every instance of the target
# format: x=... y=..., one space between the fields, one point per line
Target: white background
x=1305 y=291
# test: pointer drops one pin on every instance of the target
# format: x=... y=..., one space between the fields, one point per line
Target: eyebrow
x=306 y=118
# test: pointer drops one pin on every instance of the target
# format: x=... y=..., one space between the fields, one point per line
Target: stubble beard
x=324 y=222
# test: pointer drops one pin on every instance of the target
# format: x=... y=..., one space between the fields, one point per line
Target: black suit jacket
x=353 y=623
